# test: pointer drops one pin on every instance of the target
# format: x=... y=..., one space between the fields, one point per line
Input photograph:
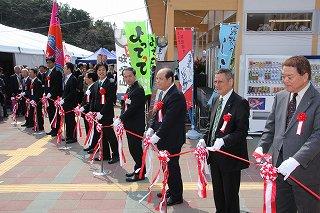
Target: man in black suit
x=103 y=105
x=170 y=131
x=53 y=89
x=229 y=124
x=69 y=101
x=133 y=118
x=88 y=99
x=42 y=74
x=35 y=93
x=15 y=85
x=25 y=82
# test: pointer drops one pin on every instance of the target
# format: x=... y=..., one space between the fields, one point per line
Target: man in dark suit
x=170 y=131
x=69 y=101
x=42 y=74
x=35 y=93
x=295 y=150
x=229 y=124
x=26 y=82
x=15 y=85
x=103 y=105
x=53 y=89
x=133 y=118
x=88 y=99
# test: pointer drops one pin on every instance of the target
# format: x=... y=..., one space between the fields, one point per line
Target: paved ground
x=37 y=177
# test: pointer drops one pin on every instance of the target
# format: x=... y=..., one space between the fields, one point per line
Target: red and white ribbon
x=88 y=96
x=226 y=119
x=35 y=120
x=302 y=117
x=15 y=105
x=27 y=107
x=98 y=146
x=77 y=113
x=201 y=155
x=146 y=158
x=102 y=92
x=48 y=81
x=45 y=105
x=269 y=174
x=57 y=106
x=158 y=107
x=119 y=129
x=31 y=88
x=90 y=117
x=60 y=130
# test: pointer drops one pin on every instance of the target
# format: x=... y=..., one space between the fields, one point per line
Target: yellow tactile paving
x=114 y=187
x=18 y=155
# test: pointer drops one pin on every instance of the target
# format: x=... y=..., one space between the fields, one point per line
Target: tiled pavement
x=37 y=177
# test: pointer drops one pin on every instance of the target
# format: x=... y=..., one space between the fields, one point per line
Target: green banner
x=139 y=51
x=152 y=50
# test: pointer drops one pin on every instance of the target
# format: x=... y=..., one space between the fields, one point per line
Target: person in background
x=42 y=74
x=26 y=82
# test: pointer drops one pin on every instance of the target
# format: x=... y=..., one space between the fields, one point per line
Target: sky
x=104 y=9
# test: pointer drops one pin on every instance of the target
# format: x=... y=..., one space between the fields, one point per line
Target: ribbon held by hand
x=27 y=107
x=269 y=174
x=35 y=120
x=57 y=106
x=15 y=105
x=302 y=117
x=77 y=113
x=201 y=154
x=90 y=117
x=45 y=105
x=146 y=158
x=60 y=130
x=119 y=129
x=99 y=145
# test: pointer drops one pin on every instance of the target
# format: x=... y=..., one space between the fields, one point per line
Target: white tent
x=29 y=48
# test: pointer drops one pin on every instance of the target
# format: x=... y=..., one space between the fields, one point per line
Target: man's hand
x=61 y=102
x=81 y=109
x=23 y=94
x=218 y=144
x=201 y=143
x=154 y=139
x=49 y=95
x=116 y=122
x=258 y=150
x=99 y=116
x=287 y=167
x=149 y=132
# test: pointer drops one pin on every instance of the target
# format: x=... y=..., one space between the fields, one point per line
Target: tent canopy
x=13 y=40
x=111 y=57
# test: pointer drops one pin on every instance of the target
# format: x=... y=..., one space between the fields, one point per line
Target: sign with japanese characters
x=138 y=46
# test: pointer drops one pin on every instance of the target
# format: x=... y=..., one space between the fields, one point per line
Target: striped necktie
x=216 y=120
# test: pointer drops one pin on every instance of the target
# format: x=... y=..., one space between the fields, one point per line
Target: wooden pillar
x=238 y=50
x=170 y=30
x=315 y=34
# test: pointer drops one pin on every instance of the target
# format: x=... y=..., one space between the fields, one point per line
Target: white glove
x=111 y=80
x=81 y=109
x=288 y=166
x=259 y=150
x=23 y=94
x=116 y=122
x=88 y=92
x=217 y=145
x=61 y=102
x=201 y=143
x=99 y=116
x=49 y=95
x=149 y=132
x=154 y=139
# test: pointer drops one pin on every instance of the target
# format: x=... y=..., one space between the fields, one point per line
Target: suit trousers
x=225 y=189
x=40 y=118
x=174 y=180
x=292 y=198
x=135 y=148
x=71 y=134
x=51 y=111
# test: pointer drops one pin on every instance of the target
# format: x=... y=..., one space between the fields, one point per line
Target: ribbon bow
x=28 y=107
x=15 y=105
x=77 y=113
x=45 y=105
x=226 y=119
x=35 y=120
x=98 y=146
x=201 y=154
x=60 y=130
x=90 y=117
x=301 y=117
x=119 y=132
x=146 y=155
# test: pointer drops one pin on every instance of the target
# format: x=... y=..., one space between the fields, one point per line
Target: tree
x=78 y=28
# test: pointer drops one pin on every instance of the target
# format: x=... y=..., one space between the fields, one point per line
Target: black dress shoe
x=54 y=134
x=71 y=141
x=130 y=174
x=29 y=126
x=24 y=124
x=171 y=201
x=113 y=160
x=90 y=151
x=105 y=159
x=49 y=133
x=87 y=149
x=134 y=178
x=159 y=195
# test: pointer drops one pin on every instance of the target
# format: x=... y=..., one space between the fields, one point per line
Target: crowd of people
x=295 y=145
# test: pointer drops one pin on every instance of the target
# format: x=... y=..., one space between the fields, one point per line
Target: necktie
x=160 y=96
x=216 y=120
x=100 y=83
x=291 y=108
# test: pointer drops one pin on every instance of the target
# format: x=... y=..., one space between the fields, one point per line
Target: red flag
x=54 y=45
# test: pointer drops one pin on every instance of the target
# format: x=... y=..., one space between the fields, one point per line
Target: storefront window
x=279 y=21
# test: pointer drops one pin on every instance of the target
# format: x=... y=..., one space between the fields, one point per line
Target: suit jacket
x=70 y=93
x=26 y=87
x=234 y=135
x=171 y=130
x=106 y=109
x=37 y=90
x=134 y=117
x=55 y=88
x=305 y=148
x=42 y=77
x=14 y=83
x=88 y=106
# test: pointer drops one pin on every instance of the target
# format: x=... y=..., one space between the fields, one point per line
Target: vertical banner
x=54 y=45
x=185 y=57
x=152 y=50
x=67 y=57
x=161 y=50
x=138 y=45
x=227 y=36
x=123 y=59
